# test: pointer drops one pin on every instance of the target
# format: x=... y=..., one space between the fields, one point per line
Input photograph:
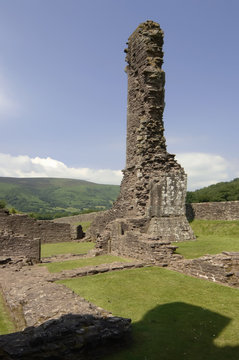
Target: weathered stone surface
x=78 y=218
x=47 y=231
x=21 y=235
x=94 y=270
x=69 y=337
x=225 y=210
x=19 y=245
x=57 y=323
x=151 y=204
x=222 y=268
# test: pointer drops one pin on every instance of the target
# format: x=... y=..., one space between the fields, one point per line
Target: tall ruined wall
x=154 y=184
x=228 y=210
x=153 y=188
x=47 y=231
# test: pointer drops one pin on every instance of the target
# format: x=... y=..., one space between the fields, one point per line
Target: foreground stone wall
x=56 y=322
x=228 y=210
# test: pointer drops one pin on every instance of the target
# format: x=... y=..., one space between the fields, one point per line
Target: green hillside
x=55 y=196
x=223 y=191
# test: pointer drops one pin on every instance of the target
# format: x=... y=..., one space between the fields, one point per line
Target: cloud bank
x=202 y=169
x=24 y=166
x=206 y=169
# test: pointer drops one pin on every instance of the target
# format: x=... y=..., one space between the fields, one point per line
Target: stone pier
x=150 y=210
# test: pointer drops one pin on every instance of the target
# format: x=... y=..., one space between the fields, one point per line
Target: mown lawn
x=66 y=248
x=175 y=317
x=6 y=325
x=213 y=237
x=74 y=264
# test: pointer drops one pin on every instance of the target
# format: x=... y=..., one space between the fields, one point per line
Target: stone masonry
x=52 y=321
x=150 y=210
x=222 y=268
x=22 y=236
x=225 y=210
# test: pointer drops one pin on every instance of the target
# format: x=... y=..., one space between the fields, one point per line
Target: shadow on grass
x=178 y=331
x=174 y=331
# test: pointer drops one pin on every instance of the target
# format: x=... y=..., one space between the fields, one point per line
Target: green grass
x=66 y=248
x=175 y=317
x=213 y=237
x=6 y=324
x=74 y=264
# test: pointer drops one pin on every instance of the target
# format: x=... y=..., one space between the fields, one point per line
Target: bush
x=3 y=204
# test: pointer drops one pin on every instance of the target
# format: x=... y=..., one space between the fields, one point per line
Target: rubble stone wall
x=222 y=268
x=228 y=210
x=153 y=188
x=23 y=225
x=19 y=246
x=78 y=218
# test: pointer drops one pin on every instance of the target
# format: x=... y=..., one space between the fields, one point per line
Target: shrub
x=3 y=204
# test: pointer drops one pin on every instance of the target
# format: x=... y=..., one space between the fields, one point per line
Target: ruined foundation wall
x=228 y=210
x=47 y=231
x=78 y=218
x=222 y=268
x=19 y=246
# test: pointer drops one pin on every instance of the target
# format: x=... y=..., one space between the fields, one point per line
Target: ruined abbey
x=147 y=217
x=150 y=211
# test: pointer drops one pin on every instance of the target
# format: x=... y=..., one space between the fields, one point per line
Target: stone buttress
x=150 y=210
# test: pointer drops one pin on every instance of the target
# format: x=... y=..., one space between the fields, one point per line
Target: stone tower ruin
x=150 y=210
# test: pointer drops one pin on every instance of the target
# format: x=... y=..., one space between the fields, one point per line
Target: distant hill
x=48 y=198
x=223 y=191
x=54 y=196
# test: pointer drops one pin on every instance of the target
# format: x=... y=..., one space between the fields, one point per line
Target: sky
x=63 y=89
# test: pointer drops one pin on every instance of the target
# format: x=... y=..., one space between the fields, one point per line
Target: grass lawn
x=74 y=264
x=66 y=248
x=6 y=325
x=175 y=317
x=213 y=237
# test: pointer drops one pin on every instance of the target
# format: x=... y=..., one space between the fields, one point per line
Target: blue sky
x=63 y=89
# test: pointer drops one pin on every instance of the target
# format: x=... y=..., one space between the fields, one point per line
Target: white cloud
x=24 y=166
x=202 y=169
x=205 y=169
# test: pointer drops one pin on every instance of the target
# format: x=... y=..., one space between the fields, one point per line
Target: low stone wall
x=71 y=337
x=56 y=322
x=78 y=218
x=123 y=237
x=47 y=231
x=12 y=245
x=228 y=210
x=222 y=268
